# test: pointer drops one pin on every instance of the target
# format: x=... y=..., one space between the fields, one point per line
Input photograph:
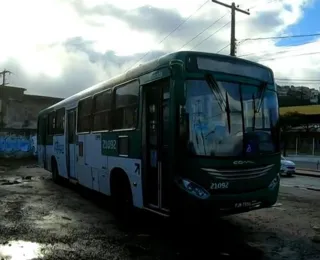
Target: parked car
x=287 y=167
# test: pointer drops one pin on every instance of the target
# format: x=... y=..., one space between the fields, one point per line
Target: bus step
x=164 y=213
x=73 y=181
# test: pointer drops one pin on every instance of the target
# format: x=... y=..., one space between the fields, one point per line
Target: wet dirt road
x=40 y=220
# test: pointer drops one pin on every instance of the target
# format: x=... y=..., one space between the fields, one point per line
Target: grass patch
x=305 y=110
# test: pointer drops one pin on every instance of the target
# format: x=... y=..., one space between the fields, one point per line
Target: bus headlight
x=193 y=188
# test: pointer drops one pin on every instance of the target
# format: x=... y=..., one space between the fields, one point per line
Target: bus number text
x=219 y=185
x=109 y=144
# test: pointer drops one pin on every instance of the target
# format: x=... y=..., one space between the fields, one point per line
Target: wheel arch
x=119 y=176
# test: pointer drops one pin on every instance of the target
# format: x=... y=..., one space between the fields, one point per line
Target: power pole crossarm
x=233 y=23
x=230 y=6
x=3 y=74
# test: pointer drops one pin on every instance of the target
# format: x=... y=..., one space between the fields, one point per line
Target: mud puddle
x=19 y=180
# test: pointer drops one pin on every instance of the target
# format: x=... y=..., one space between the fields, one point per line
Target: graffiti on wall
x=34 y=145
x=11 y=144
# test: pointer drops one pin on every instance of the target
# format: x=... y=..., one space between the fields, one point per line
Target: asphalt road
x=40 y=220
x=301 y=182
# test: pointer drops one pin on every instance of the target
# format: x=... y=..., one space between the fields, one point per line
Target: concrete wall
x=22 y=114
x=18 y=121
x=18 y=145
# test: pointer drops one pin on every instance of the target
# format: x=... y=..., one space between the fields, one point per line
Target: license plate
x=246 y=204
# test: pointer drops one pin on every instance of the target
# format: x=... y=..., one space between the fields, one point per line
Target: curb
x=309 y=174
x=314 y=189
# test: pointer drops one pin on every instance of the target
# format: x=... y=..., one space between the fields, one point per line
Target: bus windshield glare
x=231 y=119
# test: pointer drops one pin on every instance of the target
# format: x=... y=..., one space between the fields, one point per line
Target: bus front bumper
x=227 y=204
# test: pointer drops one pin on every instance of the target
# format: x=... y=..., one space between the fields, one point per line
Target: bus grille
x=239 y=174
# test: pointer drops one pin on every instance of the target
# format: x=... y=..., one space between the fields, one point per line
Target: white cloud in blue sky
x=58 y=47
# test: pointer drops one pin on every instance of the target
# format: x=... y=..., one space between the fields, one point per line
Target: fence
x=303 y=144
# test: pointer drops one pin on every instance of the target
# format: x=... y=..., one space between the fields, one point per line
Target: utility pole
x=3 y=74
x=233 y=8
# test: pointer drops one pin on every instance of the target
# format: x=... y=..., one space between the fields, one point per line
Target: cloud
x=59 y=48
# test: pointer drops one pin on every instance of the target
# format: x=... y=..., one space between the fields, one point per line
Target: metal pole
x=313 y=145
x=233 y=23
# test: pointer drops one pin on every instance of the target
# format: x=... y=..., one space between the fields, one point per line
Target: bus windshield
x=231 y=119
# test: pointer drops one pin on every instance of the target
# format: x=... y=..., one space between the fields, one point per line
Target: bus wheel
x=121 y=195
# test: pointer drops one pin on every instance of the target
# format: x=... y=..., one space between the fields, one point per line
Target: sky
x=60 y=47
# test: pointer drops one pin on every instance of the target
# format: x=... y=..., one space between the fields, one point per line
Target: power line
x=267 y=53
x=175 y=29
x=297 y=83
x=281 y=57
x=219 y=30
x=223 y=48
x=289 y=79
x=280 y=37
x=204 y=30
x=252 y=7
x=211 y=35
x=287 y=49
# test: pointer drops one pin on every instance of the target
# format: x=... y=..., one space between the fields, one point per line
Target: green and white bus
x=190 y=130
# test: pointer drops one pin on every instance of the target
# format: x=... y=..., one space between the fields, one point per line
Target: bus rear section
x=229 y=157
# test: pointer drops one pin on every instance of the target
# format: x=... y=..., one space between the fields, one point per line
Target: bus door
x=156 y=135
x=71 y=143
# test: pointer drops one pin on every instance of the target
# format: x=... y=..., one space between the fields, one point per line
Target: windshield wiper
x=213 y=84
x=224 y=104
x=256 y=107
x=254 y=112
x=228 y=112
x=262 y=89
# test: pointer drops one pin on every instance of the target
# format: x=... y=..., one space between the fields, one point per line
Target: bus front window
x=236 y=121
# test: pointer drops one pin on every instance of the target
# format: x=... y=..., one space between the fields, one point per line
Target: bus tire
x=121 y=194
x=55 y=171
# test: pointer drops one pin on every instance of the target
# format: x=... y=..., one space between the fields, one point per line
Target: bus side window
x=51 y=123
x=41 y=130
x=102 y=111
x=60 y=121
x=126 y=106
x=84 y=115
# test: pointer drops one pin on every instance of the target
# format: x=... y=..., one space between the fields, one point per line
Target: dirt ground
x=41 y=220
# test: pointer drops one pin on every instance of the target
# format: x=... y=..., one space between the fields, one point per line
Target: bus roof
x=139 y=71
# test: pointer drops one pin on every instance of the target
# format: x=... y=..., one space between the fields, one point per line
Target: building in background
x=299 y=93
x=18 y=120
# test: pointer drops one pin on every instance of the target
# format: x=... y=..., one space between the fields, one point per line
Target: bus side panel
x=82 y=168
x=49 y=153
x=40 y=152
x=98 y=163
x=133 y=169
x=60 y=154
